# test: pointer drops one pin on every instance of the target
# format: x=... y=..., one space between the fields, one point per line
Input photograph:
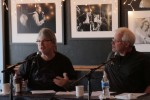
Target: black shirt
x=130 y=73
x=40 y=73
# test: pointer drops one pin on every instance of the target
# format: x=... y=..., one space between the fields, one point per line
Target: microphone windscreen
x=115 y=54
x=38 y=53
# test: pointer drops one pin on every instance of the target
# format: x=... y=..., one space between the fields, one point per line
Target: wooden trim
x=87 y=67
x=78 y=67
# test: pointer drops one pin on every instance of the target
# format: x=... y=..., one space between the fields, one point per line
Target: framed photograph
x=2 y=43
x=29 y=16
x=93 y=18
x=139 y=23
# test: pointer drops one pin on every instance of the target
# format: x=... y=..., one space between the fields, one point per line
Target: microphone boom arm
x=92 y=70
x=88 y=75
x=11 y=68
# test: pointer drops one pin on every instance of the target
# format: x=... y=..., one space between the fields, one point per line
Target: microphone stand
x=88 y=75
x=10 y=70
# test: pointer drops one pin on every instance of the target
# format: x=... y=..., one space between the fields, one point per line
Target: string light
x=6 y=7
x=4 y=4
x=62 y=2
x=125 y=2
x=130 y=4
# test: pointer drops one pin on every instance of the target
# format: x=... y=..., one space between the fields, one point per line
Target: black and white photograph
x=29 y=16
x=139 y=23
x=142 y=30
x=32 y=17
x=94 y=19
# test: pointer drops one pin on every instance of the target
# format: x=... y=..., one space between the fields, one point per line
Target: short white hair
x=127 y=35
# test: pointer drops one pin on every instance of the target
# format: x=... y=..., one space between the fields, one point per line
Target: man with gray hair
x=130 y=70
x=48 y=70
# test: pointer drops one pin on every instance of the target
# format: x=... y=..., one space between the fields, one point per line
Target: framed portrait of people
x=93 y=18
x=1 y=44
x=139 y=23
x=29 y=16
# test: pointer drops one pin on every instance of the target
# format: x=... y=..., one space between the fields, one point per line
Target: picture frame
x=139 y=24
x=94 y=18
x=25 y=27
x=2 y=43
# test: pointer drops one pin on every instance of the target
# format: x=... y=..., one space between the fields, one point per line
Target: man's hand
x=61 y=81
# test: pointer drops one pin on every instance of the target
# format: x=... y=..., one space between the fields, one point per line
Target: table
x=71 y=97
x=46 y=96
x=144 y=97
x=29 y=96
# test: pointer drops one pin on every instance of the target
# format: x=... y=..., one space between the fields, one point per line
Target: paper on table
x=42 y=91
x=128 y=95
x=94 y=93
x=66 y=93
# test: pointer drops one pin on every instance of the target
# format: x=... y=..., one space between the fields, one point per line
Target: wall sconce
x=144 y=4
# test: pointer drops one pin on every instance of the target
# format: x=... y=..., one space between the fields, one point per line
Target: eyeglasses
x=114 y=41
x=42 y=41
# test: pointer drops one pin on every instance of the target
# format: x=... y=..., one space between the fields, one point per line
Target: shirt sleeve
x=70 y=71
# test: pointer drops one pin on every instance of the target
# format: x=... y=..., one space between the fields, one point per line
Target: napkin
x=43 y=91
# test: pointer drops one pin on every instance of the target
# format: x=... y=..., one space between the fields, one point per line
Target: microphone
x=113 y=57
x=38 y=53
x=33 y=56
x=115 y=54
